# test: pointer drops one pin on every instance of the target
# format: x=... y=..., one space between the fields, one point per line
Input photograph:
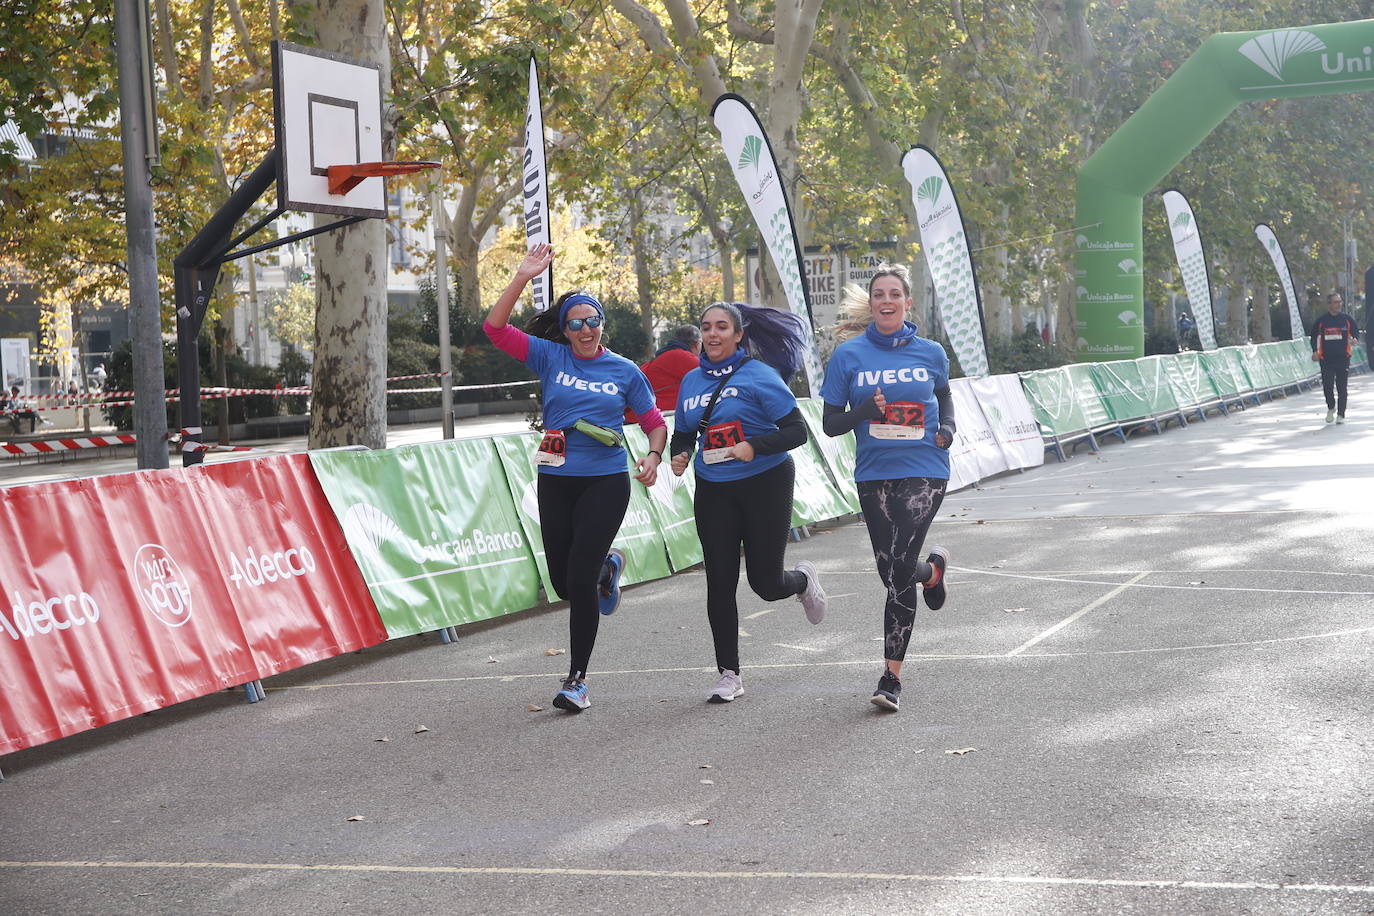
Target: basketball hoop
x=344 y=178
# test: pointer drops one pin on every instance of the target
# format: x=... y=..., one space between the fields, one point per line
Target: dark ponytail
x=771 y=335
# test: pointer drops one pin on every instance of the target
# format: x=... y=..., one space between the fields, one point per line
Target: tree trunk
x=349 y=374
x=644 y=284
x=727 y=270
x=1237 y=320
x=1261 y=329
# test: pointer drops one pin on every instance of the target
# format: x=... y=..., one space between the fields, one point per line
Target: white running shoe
x=812 y=597
x=1340 y=419
x=1331 y=415
x=730 y=686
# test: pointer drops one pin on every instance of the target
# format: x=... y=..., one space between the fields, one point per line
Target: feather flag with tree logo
x=756 y=170
x=1192 y=264
x=536 y=190
x=946 y=250
x=1271 y=245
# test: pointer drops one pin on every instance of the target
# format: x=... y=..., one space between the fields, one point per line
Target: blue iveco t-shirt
x=755 y=396
x=909 y=373
x=596 y=390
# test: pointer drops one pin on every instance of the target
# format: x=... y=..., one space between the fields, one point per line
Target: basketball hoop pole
x=196 y=270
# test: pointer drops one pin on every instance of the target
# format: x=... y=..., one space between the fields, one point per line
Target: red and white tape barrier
x=52 y=446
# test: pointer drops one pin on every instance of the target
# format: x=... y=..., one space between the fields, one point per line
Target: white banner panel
x=1009 y=414
x=1271 y=245
x=975 y=453
x=947 y=255
x=1192 y=264
x=536 y=190
x=751 y=159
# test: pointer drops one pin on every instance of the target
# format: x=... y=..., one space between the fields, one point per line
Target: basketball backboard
x=328 y=112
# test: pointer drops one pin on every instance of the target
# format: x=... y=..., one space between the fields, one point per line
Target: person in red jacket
x=1333 y=338
x=669 y=365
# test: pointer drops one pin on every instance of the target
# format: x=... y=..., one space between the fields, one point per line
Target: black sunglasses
x=575 y=324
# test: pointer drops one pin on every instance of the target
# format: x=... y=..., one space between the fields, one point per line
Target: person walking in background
x=583 y=486
x=1333 y=340
x=741 y=419
x=890 y=387
x=670 y=363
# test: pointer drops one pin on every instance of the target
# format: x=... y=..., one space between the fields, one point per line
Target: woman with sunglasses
x=583 y=484
x=737 y=413
x=890 y=387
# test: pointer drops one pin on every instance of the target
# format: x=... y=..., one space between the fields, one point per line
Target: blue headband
x=578 y=299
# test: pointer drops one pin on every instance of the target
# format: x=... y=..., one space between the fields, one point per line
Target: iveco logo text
x=161 y=585
x=257 y=569
x=581 y=384
x=60 y=612
x=702 y=399
x=893 y=376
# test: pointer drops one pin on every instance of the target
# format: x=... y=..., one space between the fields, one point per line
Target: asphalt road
x=1150 y=692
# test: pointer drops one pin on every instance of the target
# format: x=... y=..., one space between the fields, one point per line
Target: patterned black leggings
x=898 y=513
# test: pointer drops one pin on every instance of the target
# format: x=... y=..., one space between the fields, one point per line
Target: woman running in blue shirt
x=737 y=413
x=890 y=387
x=583 y=486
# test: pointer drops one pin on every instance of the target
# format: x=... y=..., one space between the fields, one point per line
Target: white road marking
x=783 y=645
x=1185 y=588
x=659 y=874
x=767 y=610
x=1077 y=614
x=864 y=663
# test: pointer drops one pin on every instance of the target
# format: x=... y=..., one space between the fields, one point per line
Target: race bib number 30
x=901 y=420
x=719 y=439
x=553 y=449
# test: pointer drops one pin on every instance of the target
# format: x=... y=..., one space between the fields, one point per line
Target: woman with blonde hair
x=890 y=387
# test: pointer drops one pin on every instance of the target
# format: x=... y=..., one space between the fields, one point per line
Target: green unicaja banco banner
x=1228 y=69
x=433 y=530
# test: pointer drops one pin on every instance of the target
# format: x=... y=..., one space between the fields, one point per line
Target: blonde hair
x=855 y=313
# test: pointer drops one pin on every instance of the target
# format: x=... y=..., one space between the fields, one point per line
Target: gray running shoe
x=812 y=597
x=729 y=687
x=1331 y=415
x=1340 y=419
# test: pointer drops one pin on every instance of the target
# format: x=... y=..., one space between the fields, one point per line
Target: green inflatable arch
x=1229 y=68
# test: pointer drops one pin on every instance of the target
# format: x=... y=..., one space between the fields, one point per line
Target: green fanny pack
x=605 y=435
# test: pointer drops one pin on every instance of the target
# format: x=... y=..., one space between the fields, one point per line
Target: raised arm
x=535 y=263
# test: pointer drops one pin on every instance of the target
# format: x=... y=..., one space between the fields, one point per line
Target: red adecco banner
x=131 y=592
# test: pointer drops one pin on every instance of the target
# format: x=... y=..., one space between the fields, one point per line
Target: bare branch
x=245 y=39
x=744 y=29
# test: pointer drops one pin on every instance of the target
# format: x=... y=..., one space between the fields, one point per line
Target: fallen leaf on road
x=554 y=651
x=381 y=739
x=699 y=822
x=356 y=817
x=980 y=522
x=1197 y=583
x=491 y=660
x=421 y=728
x=1013 y=610
x=533 y=708
x=703 y=766
x=708 y=782
x=961 y=751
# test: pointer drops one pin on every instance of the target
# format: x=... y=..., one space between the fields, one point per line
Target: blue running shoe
x=608 y=586
x=573 y=696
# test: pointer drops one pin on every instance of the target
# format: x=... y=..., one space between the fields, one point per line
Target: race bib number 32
x=553 y=449
x=719 y=438
x=901 y=420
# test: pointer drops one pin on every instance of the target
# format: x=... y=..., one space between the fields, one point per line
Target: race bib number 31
x=718 y=440
x=901 y=420
x=553 y=449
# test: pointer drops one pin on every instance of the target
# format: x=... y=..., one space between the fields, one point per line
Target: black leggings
x=1335 y=373
x=898 y=513
x=579 y=518
x=755 y=512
